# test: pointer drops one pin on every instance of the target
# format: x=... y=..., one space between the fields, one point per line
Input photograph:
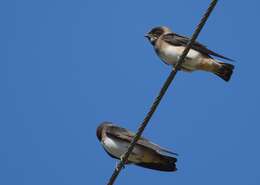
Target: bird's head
x=156 y=32
x=100 y=129
x=99 y=132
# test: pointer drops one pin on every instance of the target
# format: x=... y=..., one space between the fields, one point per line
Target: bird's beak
x=147 y=36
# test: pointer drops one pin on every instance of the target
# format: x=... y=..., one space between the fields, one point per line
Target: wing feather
x=179 y=40
x=126 y=135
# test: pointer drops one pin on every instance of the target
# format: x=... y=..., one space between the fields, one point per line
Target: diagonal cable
x=163 y=90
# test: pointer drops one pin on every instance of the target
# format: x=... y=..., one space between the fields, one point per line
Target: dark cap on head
x=100 y=129
x=156 y=32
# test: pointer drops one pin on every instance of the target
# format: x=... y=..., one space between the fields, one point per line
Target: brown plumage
x=115 y=141
x=169 y=47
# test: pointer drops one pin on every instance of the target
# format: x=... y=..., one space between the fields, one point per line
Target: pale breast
x=170 y=54
x=118 y=148
x=115 y=147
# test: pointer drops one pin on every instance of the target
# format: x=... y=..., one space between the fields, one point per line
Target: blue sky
x=66 y=66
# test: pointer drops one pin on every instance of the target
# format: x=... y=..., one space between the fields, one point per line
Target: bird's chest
x=115 y=147
x=118 y=147
x=169 y=54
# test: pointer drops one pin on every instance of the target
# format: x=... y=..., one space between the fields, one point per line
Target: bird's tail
x=224 y=71
x=166 y=164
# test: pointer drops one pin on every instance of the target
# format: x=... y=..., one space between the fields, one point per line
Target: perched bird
x=116 y=140
x=169 y=47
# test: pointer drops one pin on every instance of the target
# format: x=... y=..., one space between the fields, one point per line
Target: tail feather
x=225 y=71
x=168 y=164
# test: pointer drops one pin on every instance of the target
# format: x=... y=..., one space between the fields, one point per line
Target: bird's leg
x=121 y=159
x=123 y=166
x=117 y=163
x=117 y=169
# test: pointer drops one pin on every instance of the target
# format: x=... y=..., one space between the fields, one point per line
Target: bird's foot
x=117 y=166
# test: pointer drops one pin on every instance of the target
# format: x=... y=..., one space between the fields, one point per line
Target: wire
x=163 y=90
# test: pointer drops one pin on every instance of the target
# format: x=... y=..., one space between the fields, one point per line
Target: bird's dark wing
x=179 y=40
x=126 y=135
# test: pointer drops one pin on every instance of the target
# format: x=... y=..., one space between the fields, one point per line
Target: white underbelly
x=171 y=55
x=117 y=149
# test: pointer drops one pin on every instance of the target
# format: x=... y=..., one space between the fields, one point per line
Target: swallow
x=115 y=140
x=169 y=47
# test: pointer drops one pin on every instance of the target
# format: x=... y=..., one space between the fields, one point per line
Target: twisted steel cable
x=163 y=90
